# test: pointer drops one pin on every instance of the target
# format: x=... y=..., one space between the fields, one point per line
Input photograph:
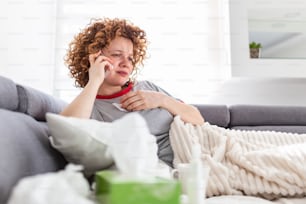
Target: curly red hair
x=98 y=35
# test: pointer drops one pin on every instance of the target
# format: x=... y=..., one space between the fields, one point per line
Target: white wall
x=293 y=48
x=281 y=32
x=188 y=50
x=261 y=91
x=242 y=65
x=260 y=81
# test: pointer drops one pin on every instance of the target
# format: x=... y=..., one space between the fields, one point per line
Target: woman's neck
x=114 y=94
x=105 y=90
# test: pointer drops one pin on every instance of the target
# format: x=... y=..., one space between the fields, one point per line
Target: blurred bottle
x=196 y=183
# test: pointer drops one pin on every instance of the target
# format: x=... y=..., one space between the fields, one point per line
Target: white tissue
x=133 y=148
x=66 y=186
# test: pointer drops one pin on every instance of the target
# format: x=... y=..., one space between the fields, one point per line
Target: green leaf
x=255 y=45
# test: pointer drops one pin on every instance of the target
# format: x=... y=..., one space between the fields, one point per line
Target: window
x=186 y=55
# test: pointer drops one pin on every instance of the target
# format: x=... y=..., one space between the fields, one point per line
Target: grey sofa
x=256 y=117
x=24 y=144
x=25 y=148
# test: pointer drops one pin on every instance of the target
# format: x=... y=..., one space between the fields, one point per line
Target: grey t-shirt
x=158 y=119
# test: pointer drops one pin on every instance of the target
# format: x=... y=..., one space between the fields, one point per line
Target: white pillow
x=81 y=141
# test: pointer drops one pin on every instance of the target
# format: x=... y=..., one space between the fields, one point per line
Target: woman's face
x=120 y=51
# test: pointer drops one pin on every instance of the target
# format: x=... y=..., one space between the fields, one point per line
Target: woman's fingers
x=107 y=67
x=125 y=99
x=93 y=57
x=102 y=58
x=99 y=62
x=137 y=105
x=106 y=63
x=133 y=101
x=98 y=58
x=99 y=66
x=141 y=100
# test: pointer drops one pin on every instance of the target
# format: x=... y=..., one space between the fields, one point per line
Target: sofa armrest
x=215 y=114
x=8 y=92
x=36 y=103
x=24 y=150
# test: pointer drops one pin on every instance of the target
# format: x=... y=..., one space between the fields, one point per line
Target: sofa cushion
x=24 y=150
x=36 y=103
x=8 y=92
x=254 y=115
x=215 y=114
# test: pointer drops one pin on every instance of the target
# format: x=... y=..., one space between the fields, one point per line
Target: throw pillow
x=81 y=141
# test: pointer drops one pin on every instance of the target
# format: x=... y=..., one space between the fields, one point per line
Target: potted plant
x=255 y=49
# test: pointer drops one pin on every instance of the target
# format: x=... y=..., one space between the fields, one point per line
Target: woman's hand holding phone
x=100 y=66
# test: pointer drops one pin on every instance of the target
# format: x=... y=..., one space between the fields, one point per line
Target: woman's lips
x=122 y=73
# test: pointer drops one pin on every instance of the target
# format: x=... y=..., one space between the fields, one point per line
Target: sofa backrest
x=256 y=117
x=215 y=114
x=268 y=117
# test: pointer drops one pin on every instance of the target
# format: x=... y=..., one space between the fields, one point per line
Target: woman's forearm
x=188 y=113
x=82 y=105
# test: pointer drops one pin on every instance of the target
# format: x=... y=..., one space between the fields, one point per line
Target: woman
x=103 y=59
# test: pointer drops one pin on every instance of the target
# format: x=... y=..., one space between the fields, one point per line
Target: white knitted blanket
x=259 y=163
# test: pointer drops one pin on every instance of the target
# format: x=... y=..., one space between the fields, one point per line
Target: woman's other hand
x=144 y=99
x=141 y=100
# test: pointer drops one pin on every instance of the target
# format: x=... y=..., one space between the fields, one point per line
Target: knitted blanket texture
x=258 y=163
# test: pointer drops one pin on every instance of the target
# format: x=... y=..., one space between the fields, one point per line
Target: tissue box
x=113 y=188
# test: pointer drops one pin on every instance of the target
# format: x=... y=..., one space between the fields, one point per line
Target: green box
x=113 y=188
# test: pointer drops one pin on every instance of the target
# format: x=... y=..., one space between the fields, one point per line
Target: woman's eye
x=116 y=55
x=119 y=55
